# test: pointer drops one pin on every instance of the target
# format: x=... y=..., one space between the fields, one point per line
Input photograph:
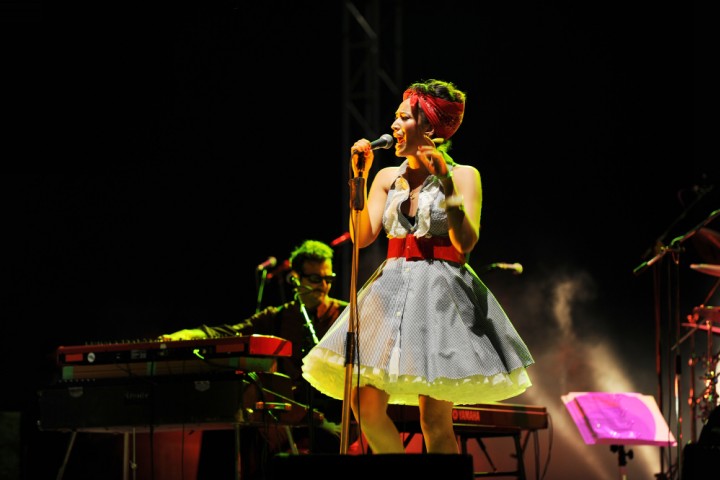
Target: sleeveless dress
x=427 y=327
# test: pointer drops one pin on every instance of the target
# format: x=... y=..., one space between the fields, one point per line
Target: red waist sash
x=413 y=248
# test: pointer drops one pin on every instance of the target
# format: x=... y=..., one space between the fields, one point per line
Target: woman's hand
x=362 y=157
x=432 y=158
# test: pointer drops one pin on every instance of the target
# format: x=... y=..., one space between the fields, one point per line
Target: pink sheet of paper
x=618 y=418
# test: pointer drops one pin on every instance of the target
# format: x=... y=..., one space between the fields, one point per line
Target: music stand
x=618 y=419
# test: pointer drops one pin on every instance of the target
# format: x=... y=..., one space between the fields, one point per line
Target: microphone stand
x=308 y=322
x=357 y=203
x=310 y=393
x=261 y=290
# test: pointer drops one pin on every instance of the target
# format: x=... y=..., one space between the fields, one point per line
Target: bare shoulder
x=391 y=171
x=467 y=172
x=386 y=176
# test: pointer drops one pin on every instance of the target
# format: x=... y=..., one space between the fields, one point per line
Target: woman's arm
x=463 y=195
x=370 y=217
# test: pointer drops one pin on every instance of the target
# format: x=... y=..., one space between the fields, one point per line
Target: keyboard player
x=301 y=321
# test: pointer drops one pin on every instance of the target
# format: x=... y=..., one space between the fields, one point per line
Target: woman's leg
x=437 y=426
x=369 y=406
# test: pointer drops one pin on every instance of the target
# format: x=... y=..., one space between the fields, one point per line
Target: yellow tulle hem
x=326 y=371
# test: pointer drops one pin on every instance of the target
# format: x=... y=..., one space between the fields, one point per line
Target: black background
x=213 y=137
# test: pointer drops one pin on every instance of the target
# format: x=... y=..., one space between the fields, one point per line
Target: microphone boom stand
x=357 y=204
x=260 y=290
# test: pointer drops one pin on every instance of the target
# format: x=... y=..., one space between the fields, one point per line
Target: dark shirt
x=287 y=321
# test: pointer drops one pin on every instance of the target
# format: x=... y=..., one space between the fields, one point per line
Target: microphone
x=295 y=282
x=340 y=240
x=282 y=267
x=269 y=263
x=516 y=268
x=385 y=141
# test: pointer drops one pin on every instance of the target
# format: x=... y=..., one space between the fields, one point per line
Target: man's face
x=315 y=281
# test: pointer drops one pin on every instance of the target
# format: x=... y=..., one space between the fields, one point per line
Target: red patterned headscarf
x=444 y=116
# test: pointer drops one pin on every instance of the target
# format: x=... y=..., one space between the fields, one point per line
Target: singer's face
x=406 y=130
x=315 y=281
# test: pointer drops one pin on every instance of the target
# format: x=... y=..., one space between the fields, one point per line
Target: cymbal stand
x=671 y=355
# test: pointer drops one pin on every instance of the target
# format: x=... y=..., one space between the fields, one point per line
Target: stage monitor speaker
x=703 y=456
x=698 y=460
x=710 y=433
x=410 y=466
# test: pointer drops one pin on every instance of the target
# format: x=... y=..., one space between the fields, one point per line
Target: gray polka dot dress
x=427 y=326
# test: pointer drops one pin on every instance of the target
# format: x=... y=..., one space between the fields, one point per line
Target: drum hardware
x=707 y=400
x=705 y=314
x=702 y=318
x=707 y=244
x=706 y=327
x=701 y=405
x=707 y=268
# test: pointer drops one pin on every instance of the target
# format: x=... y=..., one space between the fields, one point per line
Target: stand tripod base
x=623 y=457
